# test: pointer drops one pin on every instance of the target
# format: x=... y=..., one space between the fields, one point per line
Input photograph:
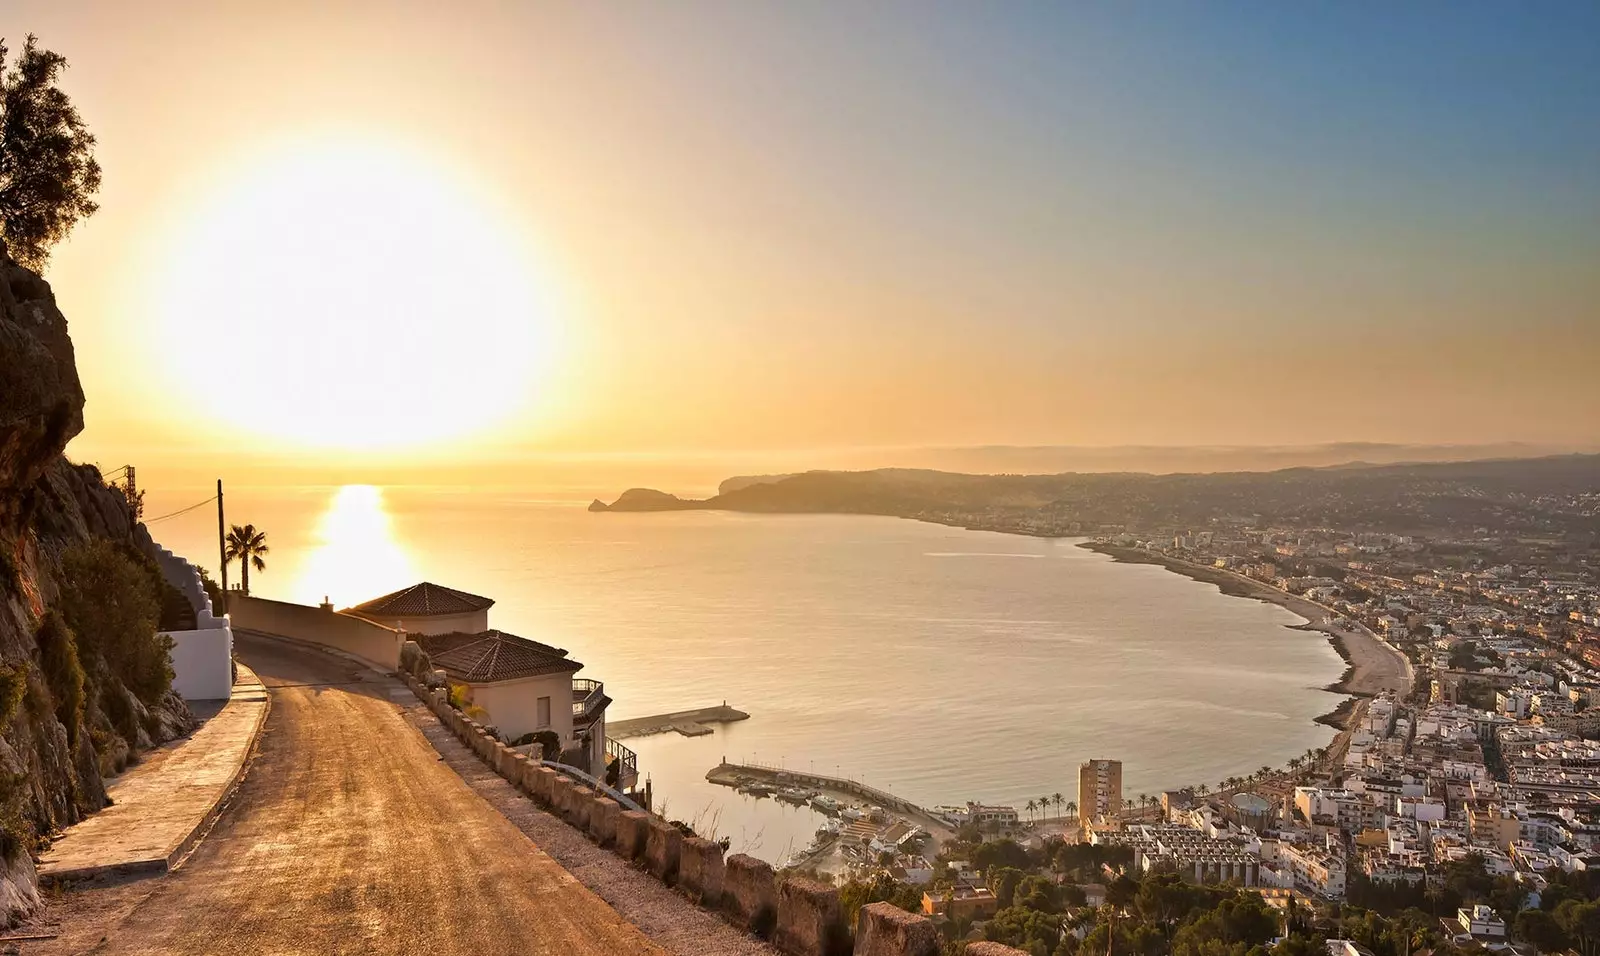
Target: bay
x=941 y=664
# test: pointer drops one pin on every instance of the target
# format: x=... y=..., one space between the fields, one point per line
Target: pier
x=690 y=723
x=732 y=774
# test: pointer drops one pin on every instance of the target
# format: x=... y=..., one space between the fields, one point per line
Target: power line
x=174 y=514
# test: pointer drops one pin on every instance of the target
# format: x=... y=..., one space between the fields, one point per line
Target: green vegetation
x=246 y=545
x=13 y=687
x=882 y=888
x=1040 y=895
x=112 y=605
x=63 y=672
x=48 y=174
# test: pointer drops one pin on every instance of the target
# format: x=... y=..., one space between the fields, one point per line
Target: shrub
x=13 y=687
x=63 y=673
x=112 y=603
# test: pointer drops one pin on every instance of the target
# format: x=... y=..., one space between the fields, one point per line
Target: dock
x=732 y=774
x=690 y=723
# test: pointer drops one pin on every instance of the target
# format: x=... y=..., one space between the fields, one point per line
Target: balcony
x=588 y=698
x=628 y=770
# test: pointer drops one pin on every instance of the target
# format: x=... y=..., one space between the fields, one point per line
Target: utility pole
x=222 y=548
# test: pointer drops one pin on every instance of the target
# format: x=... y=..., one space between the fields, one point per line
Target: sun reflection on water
x=356 y=555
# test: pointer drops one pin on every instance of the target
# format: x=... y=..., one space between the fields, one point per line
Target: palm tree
x=1044 y=807
x=1202 y=789
x=247 y=545
x=1058 y=800
x=1072 y=808
x=1030 y=808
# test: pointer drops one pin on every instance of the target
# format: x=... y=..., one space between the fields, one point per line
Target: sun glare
x=356 y=555
x=356 y=296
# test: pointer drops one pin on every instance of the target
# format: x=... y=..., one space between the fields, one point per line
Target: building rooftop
x=489 y=656
x=423 y=600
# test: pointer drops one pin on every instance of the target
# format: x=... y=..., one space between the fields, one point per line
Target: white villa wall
x=513 y=705
x=202 y=659
x=371 y=642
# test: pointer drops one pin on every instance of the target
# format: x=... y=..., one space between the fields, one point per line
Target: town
x=1469 y=797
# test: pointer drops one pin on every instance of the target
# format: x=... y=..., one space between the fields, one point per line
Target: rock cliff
x=51 y=776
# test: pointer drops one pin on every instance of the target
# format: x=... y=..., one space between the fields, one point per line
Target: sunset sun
x=359 y=298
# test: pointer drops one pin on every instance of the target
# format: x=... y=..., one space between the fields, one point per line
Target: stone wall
x=800 y=917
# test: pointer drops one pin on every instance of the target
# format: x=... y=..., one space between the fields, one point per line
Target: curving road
x=349 y=835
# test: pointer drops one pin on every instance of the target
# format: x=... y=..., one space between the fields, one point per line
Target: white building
x=1482 y=922
x=523 y=686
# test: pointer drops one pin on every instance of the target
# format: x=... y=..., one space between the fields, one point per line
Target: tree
x=1541 y=929
x=1030 y=808
x=1581 y=921
x=246 y=545
x=1057 y=799
x=48 y=174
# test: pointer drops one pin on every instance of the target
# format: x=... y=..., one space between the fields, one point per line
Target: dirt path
x=349 y=834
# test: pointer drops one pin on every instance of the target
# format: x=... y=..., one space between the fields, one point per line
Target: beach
x=1371 y=665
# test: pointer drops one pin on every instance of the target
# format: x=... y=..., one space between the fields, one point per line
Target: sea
x=941 y=664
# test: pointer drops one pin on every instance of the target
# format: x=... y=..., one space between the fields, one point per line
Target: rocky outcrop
x=47 y=505
x=647 y=499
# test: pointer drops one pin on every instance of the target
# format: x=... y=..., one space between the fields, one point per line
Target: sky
x=370 y=234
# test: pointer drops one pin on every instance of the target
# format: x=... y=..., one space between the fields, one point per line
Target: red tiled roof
x=489 y=656
x=423 y=600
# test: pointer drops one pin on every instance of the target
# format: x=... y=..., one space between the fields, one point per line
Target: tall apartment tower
x=1099 y=790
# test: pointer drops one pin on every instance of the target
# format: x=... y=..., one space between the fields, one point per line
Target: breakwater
x=690 y=723
x=732 y=774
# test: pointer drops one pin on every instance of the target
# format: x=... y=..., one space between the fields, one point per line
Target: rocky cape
x=48 y=505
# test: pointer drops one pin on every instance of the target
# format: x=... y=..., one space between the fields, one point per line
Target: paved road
x=349 y=835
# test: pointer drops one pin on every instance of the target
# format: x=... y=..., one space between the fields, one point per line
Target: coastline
x=1371 y=666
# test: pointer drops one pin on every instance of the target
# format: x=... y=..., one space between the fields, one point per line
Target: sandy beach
x=1372 y=666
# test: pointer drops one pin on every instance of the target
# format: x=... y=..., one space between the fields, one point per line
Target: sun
x=354 y=295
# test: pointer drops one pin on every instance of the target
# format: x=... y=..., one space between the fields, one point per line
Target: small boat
x=794 y=795
x=825 y=804
x=851 y=813
x=756 y=790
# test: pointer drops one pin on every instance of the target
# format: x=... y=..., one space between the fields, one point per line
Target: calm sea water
x=941 y=664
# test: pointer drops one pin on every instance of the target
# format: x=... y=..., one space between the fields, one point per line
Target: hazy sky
x=756 y=226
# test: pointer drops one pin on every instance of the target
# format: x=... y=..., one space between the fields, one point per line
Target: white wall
x=202 y=659
x=202 y=663
x=514 y=709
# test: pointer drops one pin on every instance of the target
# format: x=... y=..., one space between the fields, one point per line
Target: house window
x=544 y=712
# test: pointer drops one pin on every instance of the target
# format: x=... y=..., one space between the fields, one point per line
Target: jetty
x=690 y=723
x=733 y=774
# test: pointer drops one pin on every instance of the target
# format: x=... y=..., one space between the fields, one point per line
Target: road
x=350 y=835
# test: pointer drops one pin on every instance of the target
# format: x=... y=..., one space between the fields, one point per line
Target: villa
x=524 y=686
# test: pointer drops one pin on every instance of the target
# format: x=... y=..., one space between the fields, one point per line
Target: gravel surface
x=666 y=917
x=350 y=834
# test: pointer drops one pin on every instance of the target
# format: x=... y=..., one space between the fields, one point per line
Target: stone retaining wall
x=801 y=917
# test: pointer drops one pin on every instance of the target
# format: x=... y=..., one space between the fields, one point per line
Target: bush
x=112 y=604
x=63 y=673
x=13 y=687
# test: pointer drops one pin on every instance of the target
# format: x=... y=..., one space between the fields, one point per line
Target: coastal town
x=1463 y=782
